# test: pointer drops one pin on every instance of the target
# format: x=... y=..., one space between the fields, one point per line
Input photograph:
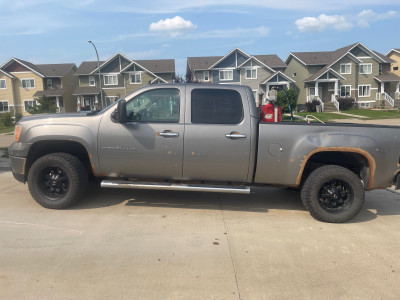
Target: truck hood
x=56 y=117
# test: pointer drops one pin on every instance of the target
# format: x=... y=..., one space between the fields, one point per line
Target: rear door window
x=216 y=106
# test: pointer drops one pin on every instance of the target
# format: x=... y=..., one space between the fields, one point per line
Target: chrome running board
x=241 y=189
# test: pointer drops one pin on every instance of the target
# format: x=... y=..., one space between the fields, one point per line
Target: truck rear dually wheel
x=333 y=194
x=57 y=180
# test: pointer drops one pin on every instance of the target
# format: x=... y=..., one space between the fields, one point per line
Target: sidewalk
x=349 y=115
x=6 y=139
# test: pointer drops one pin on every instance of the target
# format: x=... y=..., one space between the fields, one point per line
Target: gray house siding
x=215 y=77
x=301 y=71
x=228 y=62
x=112 y=67
x=254 y=84
x=166 y=76
x=241 y=58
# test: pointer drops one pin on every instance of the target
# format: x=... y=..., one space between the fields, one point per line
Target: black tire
x=333 y=194
x=57 y=180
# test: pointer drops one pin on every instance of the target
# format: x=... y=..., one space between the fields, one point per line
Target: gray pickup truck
x=205 y=138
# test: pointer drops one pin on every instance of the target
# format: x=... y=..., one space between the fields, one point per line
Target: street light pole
x=98 y=66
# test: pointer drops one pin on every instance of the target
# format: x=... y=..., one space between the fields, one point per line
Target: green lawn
x=375 y=114
x=4 y=129
x=324 y=117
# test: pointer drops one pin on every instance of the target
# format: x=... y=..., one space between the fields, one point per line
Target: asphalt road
x=123 y=244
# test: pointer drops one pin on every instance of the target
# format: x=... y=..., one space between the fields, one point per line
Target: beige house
x=22 y=82
x=394 y=55
x=352 y=71
x=6 y=91
x=120 y=76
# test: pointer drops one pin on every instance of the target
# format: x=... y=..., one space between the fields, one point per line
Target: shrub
x=346 y=103
x=6 y=119
x=284 y=100
x=312 y=106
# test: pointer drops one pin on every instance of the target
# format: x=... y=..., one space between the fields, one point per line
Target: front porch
x=87 y=98
x=324 y=88
x=55 y=95
x=276 y=81
x=388 y=96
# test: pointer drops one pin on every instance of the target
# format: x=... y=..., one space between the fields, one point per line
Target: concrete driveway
x=6 y=140
x=122 y=244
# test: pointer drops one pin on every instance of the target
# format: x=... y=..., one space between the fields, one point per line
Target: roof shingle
x=54 y=70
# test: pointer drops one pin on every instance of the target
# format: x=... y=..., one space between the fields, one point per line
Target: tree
x=43 y=105
x=190 y=77
x=284 y=101
x=178 y=79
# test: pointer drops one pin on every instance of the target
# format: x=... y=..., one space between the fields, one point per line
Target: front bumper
x=17 y=154
x=18 y=167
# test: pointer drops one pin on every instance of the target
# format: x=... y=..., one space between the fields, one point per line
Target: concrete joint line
x=230 y=250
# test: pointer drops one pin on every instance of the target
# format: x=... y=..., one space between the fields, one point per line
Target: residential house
x=120 y=76
x=394 y=54
x=6 y=91
x=352 y=71
x=22 y=82
x=261 y=72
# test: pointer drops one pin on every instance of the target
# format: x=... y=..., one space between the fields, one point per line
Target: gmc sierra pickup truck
x=205 y=138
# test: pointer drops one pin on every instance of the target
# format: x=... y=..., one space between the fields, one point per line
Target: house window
x=110 y=79
x=29 y=103
x=365 y=104
x=380 y=69
x=365 y=68
x=206 y=76
x=49 y=83
x=345 y=68
x=3 y=84
x=135 y=78
x=28 y=83
x=345 y=91
x=92 y=81
x=364 y=90
x=226 y=74
x=3 y=106
x=294 y=74
x=251 y=74
x=395 y=68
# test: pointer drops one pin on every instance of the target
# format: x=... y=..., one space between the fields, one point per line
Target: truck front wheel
x=333 y=194
x=57 y=180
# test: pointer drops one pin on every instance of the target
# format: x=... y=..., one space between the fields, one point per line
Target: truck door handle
x=168 y=134
x=235 y=135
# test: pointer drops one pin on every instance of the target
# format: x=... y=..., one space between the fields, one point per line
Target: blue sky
x=44 y=31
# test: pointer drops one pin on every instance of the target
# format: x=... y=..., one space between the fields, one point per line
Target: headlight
x=17 y=132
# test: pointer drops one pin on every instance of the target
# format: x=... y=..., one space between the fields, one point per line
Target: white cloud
x=341 y=22
x=174 y=27
x=323 y=22
x=368 y=16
